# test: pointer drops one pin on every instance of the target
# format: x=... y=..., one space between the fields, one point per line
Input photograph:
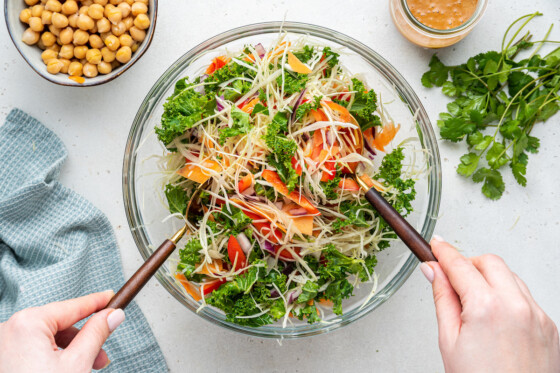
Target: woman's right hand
x=487 y=319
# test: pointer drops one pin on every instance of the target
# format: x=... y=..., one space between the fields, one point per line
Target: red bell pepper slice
x=273 y=234
x=296 y=166
x=208 y=287
x=236 y=254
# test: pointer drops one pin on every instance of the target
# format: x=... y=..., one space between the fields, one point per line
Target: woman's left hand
x=32 y=339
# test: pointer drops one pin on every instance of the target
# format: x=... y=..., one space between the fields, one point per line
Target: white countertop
x=401 y=336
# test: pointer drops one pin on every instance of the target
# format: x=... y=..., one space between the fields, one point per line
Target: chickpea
x=115 y=2
x=112 y=42
x=80 y=51
x=55 y=30
x=87 y=2
x=53 y=6
x=48 y=38
x=59 y=20
x=46 y=17
x=139 y=8
x=90 y=70
x=30 y=37
x=70 y=7
x=83 y=9
x=54 y=47
x=115 y=64
x=66 y=35
x=24 y=15
x=95 y=41
x=80 y=37
x=104 y=67
x=36 y=24
x=143 y=1
x=125 y=9
x=65 y=65
x=48 y=54
x=114 y=15
x=41 y=45
x=37 y=10
x=108 y=55
x=73 y=20
x=54 y=66
x=95 y=11
x=137 y=34
x=108 y=8
x=126 y=40
x=75 y=68
x=129 y=2
x=100 y=2
x=85 y=22
x=66 y=51
x=134 y=47
x=142 y=21
x=118 y=29
x=128 y=22
x=93 y=30
x=103 y=25
x=94 y=56
x=124 y=54
x=105 y=35
x=31 y=2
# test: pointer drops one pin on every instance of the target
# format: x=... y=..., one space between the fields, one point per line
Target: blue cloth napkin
x=55 y=245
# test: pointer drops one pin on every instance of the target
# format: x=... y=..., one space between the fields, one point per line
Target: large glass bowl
x=143 y=196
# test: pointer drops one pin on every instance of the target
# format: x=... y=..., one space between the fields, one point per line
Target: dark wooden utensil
x=133 y=286
x=411 y=238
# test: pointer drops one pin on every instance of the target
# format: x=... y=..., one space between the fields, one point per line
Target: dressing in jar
x=436 y=23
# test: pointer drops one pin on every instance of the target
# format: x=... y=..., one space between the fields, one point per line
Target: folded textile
x=55 y=245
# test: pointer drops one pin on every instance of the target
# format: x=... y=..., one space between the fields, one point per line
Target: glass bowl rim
x=403 y=89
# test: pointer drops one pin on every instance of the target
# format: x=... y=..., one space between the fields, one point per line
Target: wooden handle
x=142 y=276
x=415 y=242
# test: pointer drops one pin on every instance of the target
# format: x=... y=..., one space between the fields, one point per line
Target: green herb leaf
x=493 y=186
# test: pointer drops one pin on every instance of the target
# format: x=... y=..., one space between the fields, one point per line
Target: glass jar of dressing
x=436 y=23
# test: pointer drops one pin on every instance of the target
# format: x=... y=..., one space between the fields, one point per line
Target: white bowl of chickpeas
x=81 y=42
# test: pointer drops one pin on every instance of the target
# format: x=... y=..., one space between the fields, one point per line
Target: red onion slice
x=367 y=146
x=260 y=50
x=293 y=295
x=244 y=243
x=296 y=105
x=298 y=211
x=267 y=246
x=249 y=191
x=219 y=100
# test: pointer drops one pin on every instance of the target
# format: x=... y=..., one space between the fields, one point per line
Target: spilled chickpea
x=87 y=37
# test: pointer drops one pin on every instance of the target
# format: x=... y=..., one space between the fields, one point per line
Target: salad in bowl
x=277 y=135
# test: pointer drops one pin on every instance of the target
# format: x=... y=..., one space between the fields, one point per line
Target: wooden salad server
x=410 y=236
x=133 y=286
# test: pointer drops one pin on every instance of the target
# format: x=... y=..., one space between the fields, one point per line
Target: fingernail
x=115 y=319
x=438 y=238
x=427 y=271
x=106 y=365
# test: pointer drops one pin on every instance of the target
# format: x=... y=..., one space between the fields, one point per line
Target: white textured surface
x=401 y=336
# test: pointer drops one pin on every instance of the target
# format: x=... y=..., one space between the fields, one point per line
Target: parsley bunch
x=498 y=98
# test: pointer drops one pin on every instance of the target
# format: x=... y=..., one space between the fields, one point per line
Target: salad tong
x=133 y=286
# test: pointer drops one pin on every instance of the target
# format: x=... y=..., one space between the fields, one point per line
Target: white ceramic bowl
x=32 y=54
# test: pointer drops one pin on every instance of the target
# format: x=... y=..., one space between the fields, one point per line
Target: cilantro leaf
x=493 y=186
x=469 y=163
x=437 y=75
